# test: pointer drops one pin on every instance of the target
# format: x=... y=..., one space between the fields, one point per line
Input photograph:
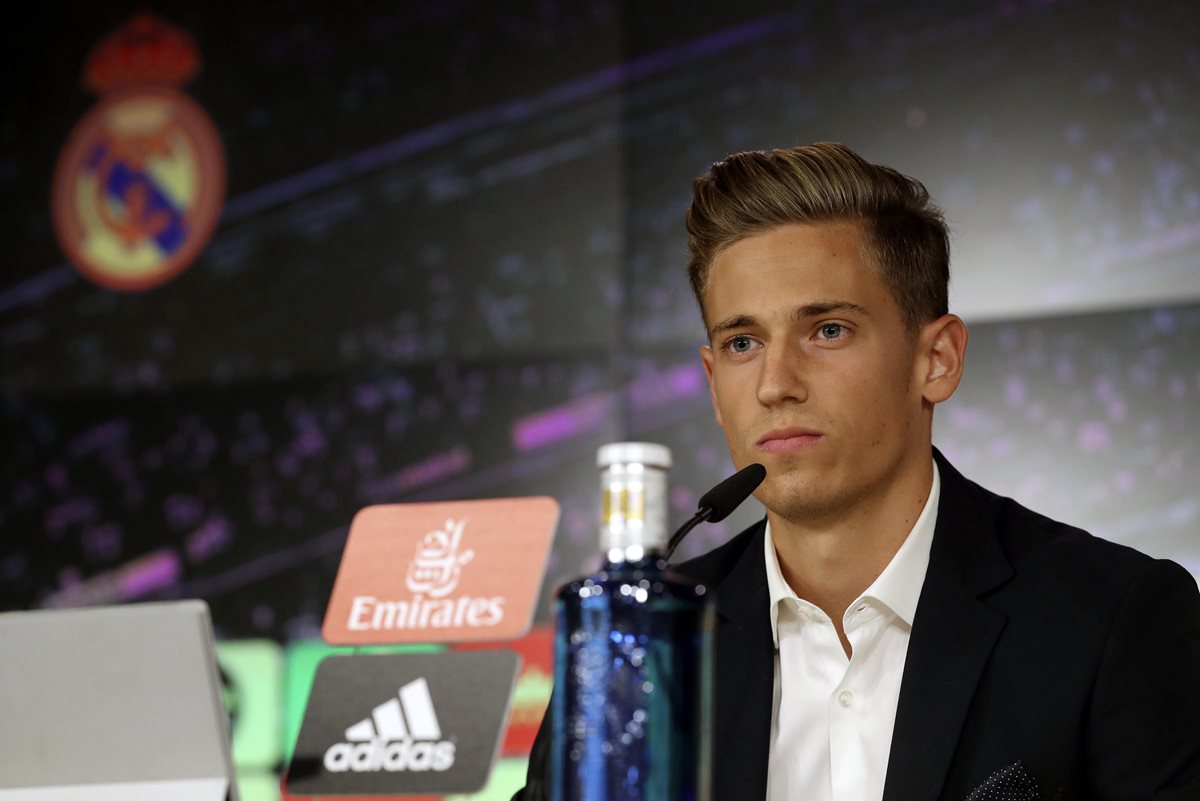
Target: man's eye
x=740 y=344
x=832 y=330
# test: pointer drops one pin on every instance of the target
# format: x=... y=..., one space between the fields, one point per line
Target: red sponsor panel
x=284 y=795
x=441 y=572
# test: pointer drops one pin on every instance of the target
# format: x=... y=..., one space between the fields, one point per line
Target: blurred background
x=447 y=261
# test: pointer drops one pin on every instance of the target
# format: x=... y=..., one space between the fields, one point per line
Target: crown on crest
x=144 y=50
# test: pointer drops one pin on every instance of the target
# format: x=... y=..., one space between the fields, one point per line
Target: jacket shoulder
x=1044 y=558
x=712 y=567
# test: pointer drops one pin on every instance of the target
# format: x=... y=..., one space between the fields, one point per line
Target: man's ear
x=706 y=358
x=943 y=351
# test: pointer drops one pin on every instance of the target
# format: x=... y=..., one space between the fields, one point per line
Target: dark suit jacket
x=1041 y=658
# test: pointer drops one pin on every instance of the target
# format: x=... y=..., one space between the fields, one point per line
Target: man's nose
x=781 y=374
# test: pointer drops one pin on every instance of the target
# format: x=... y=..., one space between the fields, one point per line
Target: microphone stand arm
x=702 y=514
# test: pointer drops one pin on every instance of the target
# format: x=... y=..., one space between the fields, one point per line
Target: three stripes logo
x=402 y=733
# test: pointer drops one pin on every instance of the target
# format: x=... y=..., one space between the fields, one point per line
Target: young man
x=892 y=630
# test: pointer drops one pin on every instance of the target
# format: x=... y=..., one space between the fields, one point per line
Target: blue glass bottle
x=632 y=661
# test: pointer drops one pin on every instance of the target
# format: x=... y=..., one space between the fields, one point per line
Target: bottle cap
x=650 y=454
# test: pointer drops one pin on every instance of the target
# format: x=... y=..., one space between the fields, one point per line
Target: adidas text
x=379 y=754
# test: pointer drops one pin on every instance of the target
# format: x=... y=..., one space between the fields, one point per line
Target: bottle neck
x=635 y=557
x=633 y=511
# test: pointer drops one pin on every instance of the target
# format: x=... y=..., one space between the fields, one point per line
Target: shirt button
x=845 y=698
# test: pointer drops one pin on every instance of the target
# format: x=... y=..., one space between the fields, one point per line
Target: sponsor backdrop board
x=534 y=683
x=435 y=279
x=403 y=724
x=441 y=572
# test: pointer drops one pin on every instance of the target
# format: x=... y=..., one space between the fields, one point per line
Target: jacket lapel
x=744 y=680
x=953 y=636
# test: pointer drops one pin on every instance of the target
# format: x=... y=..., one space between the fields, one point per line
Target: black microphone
x=720 y=501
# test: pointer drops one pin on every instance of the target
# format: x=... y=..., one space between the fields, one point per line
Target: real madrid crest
x=138 y=187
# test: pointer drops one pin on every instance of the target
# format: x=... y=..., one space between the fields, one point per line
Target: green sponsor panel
x=258 y=787
x=253 y=685
x=302 y=659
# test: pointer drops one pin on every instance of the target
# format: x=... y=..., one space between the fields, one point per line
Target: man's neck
x=830 y=562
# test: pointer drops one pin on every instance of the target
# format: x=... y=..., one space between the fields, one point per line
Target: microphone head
x=722 y=499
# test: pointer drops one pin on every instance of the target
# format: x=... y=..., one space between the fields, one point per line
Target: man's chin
x=792 y=497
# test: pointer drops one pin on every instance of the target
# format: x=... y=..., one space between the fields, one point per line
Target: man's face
x=812 y=371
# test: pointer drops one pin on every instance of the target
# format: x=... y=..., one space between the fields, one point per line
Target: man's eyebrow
x=798 y=314
x=824 y=307
x=730 y=323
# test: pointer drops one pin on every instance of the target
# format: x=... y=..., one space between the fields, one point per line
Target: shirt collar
x=898 y=587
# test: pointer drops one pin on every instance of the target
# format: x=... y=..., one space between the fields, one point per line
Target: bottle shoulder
x=635 y=581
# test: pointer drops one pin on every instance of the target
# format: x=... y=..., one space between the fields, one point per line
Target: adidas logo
x=402 y=734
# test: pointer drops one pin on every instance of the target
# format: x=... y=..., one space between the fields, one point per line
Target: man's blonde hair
x=749 y=193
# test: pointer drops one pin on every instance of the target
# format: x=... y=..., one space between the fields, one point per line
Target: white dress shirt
x=831 y=726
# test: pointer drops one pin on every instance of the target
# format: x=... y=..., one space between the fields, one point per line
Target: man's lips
x=782 y=440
